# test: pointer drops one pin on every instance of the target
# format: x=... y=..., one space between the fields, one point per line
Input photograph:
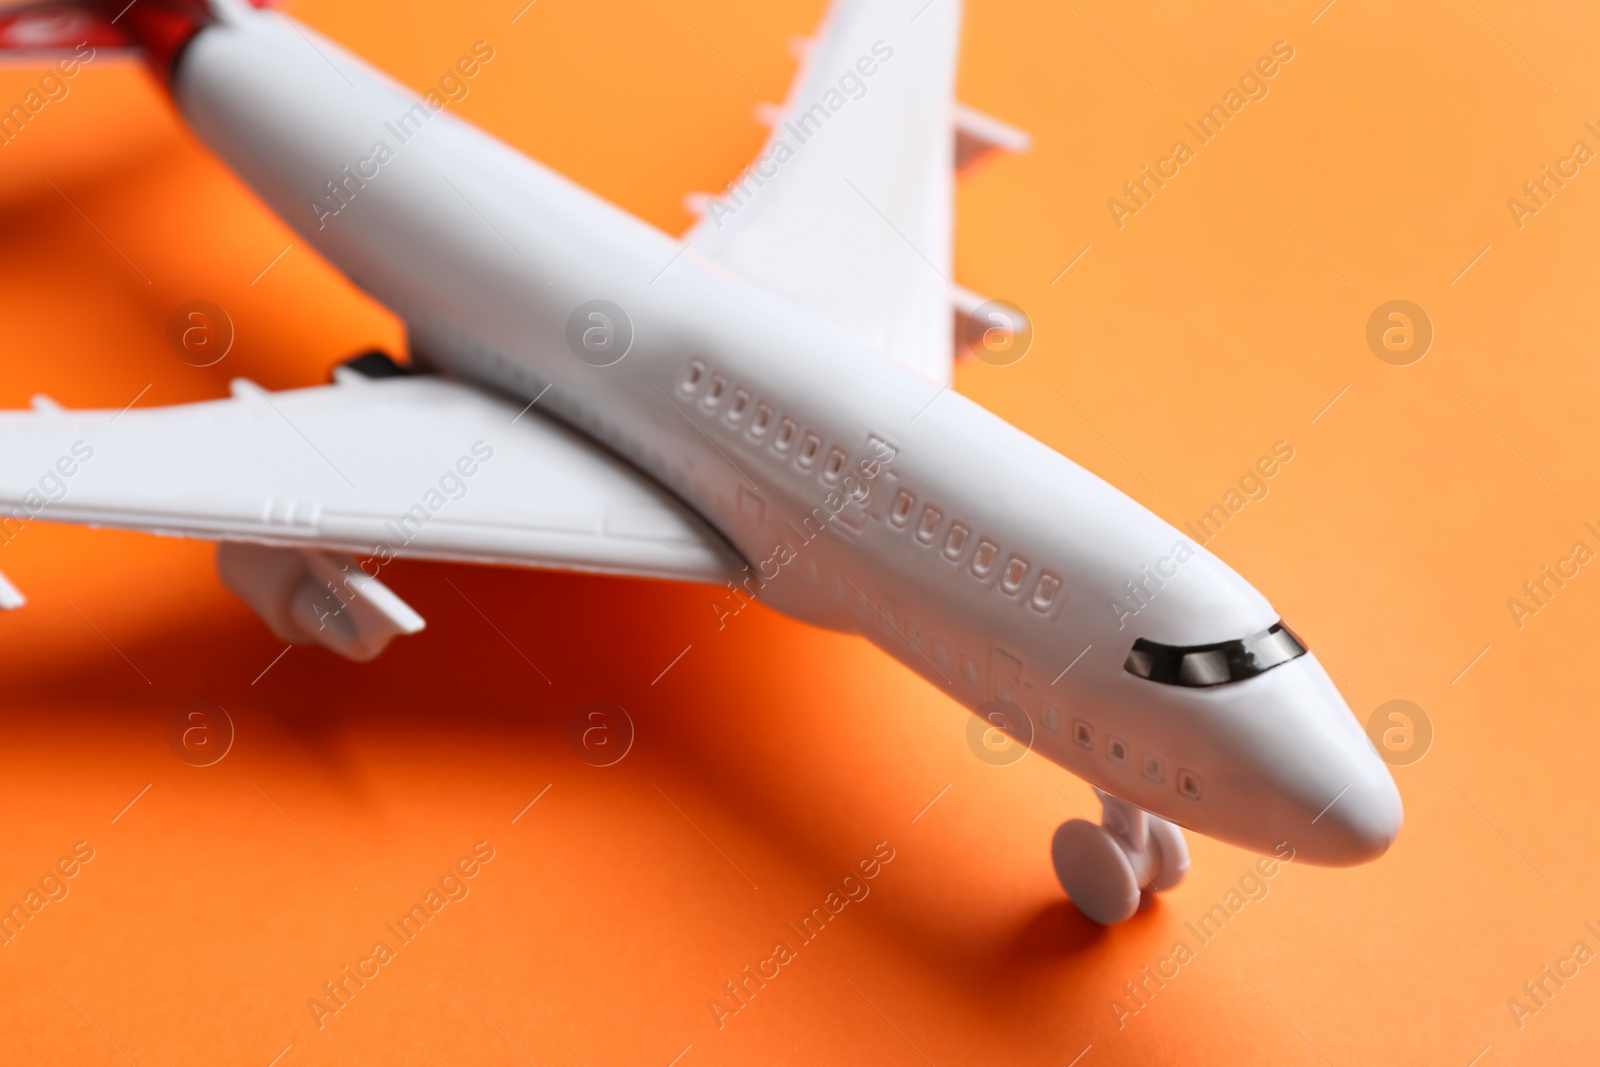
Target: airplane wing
x=847 y=210
x=411 y=466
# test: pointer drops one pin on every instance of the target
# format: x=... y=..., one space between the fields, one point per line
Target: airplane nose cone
x=1360 y=825
x=1318 y=785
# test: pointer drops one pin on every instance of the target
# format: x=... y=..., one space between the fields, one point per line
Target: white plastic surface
x=11 y=597
x=846 y=211
x=1153 y=845
x=1174 y=855
x=409 y=467
x=1112 y=870
x=1095 y=872
x=867 y=498
x=309 y=597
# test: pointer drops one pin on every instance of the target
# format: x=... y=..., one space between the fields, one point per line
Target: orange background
x=1220 y=319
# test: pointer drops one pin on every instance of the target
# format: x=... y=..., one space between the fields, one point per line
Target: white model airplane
x=762 y=405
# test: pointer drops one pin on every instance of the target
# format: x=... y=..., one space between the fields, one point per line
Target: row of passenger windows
x=1153 y=767
x=739 y=404
x=1013 y=574
x=761 y=421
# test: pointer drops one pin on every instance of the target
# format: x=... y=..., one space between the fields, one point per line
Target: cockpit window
x=1203 y=666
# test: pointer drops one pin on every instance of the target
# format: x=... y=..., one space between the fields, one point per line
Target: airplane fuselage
x=862 y=496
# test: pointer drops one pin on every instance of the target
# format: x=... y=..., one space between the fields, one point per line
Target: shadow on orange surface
x=770 y=759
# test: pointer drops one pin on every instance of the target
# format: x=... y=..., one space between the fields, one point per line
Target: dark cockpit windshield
x=1203 y=666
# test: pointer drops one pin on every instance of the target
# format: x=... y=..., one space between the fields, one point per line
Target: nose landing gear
x=1115 y=869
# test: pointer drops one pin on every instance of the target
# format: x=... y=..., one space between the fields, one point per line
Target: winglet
x=11 y=597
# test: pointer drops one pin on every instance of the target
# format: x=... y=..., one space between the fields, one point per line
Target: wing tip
x=11 y=597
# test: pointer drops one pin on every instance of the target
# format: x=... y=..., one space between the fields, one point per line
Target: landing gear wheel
x=1173 y=852
x=1095 y=872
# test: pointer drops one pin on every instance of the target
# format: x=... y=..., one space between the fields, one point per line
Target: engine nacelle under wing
x=312 y=597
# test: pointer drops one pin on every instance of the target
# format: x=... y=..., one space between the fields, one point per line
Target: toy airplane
x=762 y=405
